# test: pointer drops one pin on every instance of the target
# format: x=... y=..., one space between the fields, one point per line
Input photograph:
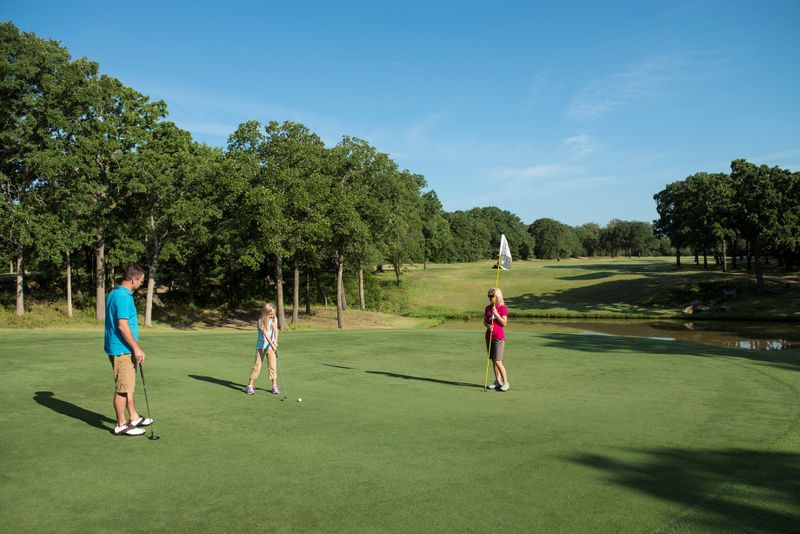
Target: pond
x=750 y=335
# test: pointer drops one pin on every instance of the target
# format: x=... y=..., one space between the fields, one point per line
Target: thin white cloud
x=534 y=172
x=581 y=145
x=535 y=92
x=217 y=114
x=644 y=83
x=781 y=156
x=580 y=183
x=419 y=131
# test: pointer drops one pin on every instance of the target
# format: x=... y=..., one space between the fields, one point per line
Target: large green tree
x=254 y=221
x=169 y=183
x=758 y=198
x=672 y=204
x=294 y=161
x=552 y=238
x=349 y=231
x=31 y=70
x=435 y=229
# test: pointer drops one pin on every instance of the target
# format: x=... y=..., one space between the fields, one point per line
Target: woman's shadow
x=48 y=400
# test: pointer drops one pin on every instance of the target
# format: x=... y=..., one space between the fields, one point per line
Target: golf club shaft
x=146 y=400
x=280 y=374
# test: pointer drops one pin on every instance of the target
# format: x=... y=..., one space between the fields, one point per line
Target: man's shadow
x=219 y=381
x=94 y=419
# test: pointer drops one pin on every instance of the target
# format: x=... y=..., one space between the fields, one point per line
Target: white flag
x=505 y=253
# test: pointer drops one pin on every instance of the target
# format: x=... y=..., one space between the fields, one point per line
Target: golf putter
x=280 y=374
x=153 y=436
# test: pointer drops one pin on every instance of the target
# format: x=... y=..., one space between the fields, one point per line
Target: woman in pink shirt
x=495 y=318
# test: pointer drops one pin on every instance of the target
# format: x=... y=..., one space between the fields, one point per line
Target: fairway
x=598 y=434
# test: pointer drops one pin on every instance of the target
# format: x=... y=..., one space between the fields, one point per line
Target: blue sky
x=578 y=111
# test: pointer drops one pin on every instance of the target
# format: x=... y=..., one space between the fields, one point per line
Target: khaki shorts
x=124 y=372
x=498 y=348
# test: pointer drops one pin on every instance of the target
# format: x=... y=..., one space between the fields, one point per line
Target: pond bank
x=751 y=335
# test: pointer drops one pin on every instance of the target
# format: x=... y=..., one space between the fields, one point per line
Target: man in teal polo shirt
x=122 y=347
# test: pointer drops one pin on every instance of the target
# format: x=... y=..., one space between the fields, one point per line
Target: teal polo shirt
x=120 y=305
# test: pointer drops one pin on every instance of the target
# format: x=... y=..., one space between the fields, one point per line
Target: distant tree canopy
x=754 y=208
x=93 y=177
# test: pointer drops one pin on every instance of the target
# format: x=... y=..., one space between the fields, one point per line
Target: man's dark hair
x=132 y=271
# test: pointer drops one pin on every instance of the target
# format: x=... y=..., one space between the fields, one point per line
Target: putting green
x=598 y=434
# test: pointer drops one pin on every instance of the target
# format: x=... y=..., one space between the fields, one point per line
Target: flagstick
x=491 y=330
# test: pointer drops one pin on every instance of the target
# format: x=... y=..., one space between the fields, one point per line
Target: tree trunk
x=20 y=286
x=190 y=279
x=724 y=256
x=69 y=286
x=88 y=265
x=339 y=289
x=308 y=293
x=733 y=253
x=279 y=290
x=759 y=275
x=296 y=294
x=100 y=279
x=397 y=268
x=361 y=287
x=151 y=290
x=705 y=259
x=678 y=256
x=749 y=250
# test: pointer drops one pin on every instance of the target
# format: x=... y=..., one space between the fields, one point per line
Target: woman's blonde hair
x=498 y=295
x=262 y=322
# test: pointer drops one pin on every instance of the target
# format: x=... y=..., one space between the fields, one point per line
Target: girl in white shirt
x=266 y=347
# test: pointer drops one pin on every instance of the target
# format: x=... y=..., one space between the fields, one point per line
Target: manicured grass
x=598 y=434
x=596 y=287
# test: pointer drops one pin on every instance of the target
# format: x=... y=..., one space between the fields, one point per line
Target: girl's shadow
x=47 y=399
x=222 y=382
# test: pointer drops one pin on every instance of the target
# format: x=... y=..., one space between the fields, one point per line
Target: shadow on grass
x=426 y=379
x=93 y=419
x=589 y=276
x=337 y=366
x=633 y=296
x=599 y=344
x=657 y=266
x=184 y=318
x=661 y=287
x=725 y=490
x=221 y=382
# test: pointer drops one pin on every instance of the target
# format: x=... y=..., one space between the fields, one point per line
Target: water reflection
x=766 y=336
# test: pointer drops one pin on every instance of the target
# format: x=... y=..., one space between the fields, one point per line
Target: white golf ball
x=299 y=400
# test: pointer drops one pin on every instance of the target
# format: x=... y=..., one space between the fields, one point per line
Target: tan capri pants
x=269 y=354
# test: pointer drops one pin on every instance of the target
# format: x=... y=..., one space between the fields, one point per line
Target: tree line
x=94 y=177
x=754 y=211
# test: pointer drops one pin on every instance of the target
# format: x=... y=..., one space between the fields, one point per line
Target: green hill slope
x=622 y=287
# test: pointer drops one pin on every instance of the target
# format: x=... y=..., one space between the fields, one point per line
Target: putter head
x=154 y=438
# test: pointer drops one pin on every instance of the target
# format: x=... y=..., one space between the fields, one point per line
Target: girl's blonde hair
x=262 y=322
x=498 y=295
